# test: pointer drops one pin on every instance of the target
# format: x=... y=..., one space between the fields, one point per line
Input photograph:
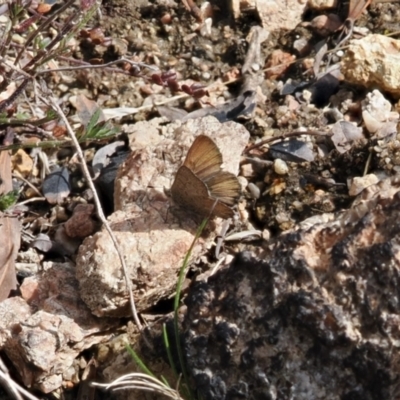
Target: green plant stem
x=168 y=349
x=139 y=361
x=51 y=143
x=33 y=122
x=182 y=274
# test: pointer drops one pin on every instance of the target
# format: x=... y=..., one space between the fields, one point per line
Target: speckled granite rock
x=316 y=316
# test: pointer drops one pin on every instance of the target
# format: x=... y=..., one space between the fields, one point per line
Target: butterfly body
x=200 y=184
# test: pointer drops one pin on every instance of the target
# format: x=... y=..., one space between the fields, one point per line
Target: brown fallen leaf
x=9 y=232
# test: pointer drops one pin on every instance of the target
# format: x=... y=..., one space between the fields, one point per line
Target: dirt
x=165 y=34
x=179 y=46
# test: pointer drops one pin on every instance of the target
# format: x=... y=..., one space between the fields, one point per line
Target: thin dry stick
x=33 y=187
x=367 y=164
x=100 y=212
x=286 y=136
x=98 y=66
x=8 y=64
x=11 y=386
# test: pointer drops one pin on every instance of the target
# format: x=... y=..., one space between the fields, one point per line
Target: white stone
x=377 y=115
x=322 y=4
x=358 y=184
x=280 y=167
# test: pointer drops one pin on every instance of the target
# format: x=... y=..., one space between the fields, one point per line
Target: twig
x=4 y=104
x=191 y=6
x=18 y=176
x=31 y=200
x=12 y=387
x=14 y=68
x=100 y=212
x=42 y=28
x=367 y=164
x=90 y=66
x=285 y=136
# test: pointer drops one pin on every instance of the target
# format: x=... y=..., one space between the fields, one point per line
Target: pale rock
x=276 y=15
x=373 y=61
x=50 y=339
x=325 y=25
x=377 y=115
x=154 y=235
x=359 y=183
x=281 y=167
x=322 y=4
x=13 y=311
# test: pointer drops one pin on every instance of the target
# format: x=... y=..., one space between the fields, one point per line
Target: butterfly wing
x=204 y=158
x=220 y=209
x=191 y=193
x=224 y=186
x=188 y=189
x=201 y=186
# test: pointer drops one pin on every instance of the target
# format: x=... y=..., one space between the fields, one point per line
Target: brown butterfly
x=200 y=183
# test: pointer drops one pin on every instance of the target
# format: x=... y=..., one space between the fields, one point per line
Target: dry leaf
x=357 y=7
x=86 y=108
x=8 y=92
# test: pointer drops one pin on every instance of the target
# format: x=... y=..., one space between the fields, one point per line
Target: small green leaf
x=21 y=116
x=8 y=199
x=93 y=120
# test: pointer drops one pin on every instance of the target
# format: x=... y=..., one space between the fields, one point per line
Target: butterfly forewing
x=204 y=158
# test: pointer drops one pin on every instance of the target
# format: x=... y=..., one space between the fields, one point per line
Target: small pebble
x=60 y=213
x=18 y=39
x=196 y=60
x=358 y=184
x=63 y=88
x=243 y=182
x=166 y=19
x=266 y=234
x=205 y=30
x=307 y=95
x=298 y=205
x=280 y=167
x=300 y=44
x=281 y=217
x=254 y=190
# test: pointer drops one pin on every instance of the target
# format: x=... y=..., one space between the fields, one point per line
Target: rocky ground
x=300 y=298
